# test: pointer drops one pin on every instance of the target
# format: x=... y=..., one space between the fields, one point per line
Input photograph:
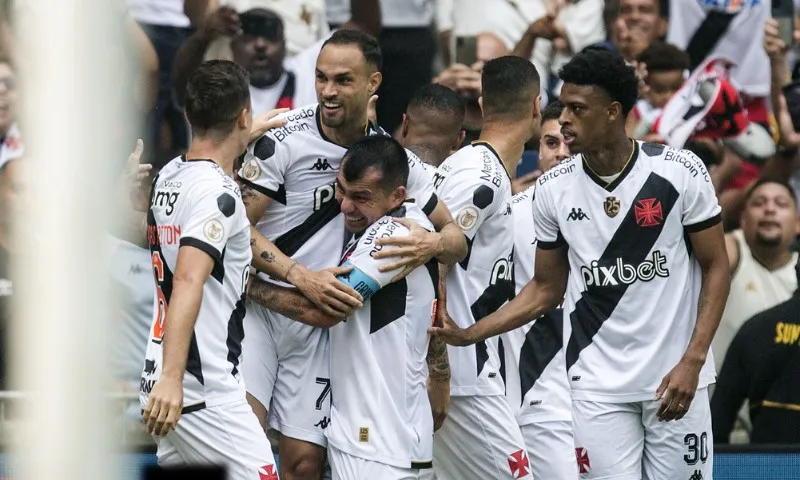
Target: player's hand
x=266 y=121
x=448 y=330
x=677 y=390
x=332 y=296
x=163 y=406
x=414 y=250
x=134 y=174
x=223 y=21
x=439 y=397
x=520 y=184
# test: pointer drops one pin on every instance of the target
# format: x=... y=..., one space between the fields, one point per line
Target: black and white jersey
x=296 y=166
x=379 y=403
x=475 y=186
x=633 y=285
x=536 y=373
x=193 y=203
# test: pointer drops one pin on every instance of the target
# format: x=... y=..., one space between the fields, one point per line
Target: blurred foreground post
x=73 y=86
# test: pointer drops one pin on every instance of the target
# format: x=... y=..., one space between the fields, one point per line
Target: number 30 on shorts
x=158 y=273
x=697 y=448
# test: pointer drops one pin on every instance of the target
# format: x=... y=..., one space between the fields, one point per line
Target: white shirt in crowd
x=394 y=13
x=167 y=13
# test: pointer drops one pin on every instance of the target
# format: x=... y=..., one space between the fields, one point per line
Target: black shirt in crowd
x=762 y=365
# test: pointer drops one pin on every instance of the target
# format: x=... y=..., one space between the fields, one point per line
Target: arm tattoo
x=438 y=361
x=252 y=242
x=248 y=193
x=268 y=257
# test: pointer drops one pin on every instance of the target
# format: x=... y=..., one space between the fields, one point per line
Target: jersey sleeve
x=365 y=278
x=700 y=207
x=469 y=198
x=420 y=184
x=545 y=220
x=264 y=166
x=210 y=218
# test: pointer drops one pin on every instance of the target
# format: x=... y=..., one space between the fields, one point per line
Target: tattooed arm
x=289 y=302
x=333 y=297
x=438 y=361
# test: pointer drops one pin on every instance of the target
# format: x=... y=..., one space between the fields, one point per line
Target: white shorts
x=348 y=467
x=227 y=435
x=480 y=438
x=286 y=365
x=551 y=450
x=627 y=441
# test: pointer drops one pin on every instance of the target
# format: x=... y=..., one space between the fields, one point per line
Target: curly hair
x=664 y=57
x=605 y=70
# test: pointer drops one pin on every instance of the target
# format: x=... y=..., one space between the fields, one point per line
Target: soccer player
x=199 y=240
x=287 y=181
x=480 y=437
x=536 y=375
x=632 y=232
x=433 y=124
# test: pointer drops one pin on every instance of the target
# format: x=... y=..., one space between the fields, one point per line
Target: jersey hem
x=589 y=396
x=201 y=245
x=376 y=457
x=476 y=391
x=558 y=242
x=544 y=417
x=700 y=226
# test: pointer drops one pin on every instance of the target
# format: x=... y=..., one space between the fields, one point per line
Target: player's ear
x=398 y=195
x=614 y=112
x=480 y=103
x=244 y=120
x=404 y=126
x=375 y=79
x=461 y=137
x=537 y=107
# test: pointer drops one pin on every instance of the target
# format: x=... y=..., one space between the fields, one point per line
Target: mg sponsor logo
x=621 y=273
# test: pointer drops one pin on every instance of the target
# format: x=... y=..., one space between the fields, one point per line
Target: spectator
x=760 y=259
x=433 y=123
x=633 y=25
x=11 y=145
x=11 y=186
x=762 y=366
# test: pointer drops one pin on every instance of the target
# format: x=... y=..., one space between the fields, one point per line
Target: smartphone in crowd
x=783 y=12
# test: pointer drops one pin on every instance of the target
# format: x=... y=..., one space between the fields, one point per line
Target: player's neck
x=346 y=135
x=223 y=154
x=771 y=257
x=508 y=141
x=611 y=157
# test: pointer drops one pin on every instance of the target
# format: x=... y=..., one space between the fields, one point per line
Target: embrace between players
x=338 y=344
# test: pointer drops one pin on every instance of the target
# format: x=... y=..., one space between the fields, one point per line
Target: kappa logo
x=323 y=424
x=519 y=464
x=648 y=212
x=577 y=214
x=697 y=475
x=321 y=165
x=582 y=457
x=267 y=472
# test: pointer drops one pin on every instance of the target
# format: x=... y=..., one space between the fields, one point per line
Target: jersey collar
x=624 y=173
x=494 y=152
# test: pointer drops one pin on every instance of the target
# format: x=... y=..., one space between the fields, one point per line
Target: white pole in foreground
x=72 y=85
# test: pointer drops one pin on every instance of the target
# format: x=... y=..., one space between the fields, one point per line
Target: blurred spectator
x=304 y=20
x=257 y=43
x=433 y=125
x=762 y=366
x=466 y=80
x=11 y=188
x=11 y=145
x=760 y=258
x=167 y=27
x=633 y=25
x=408 y=45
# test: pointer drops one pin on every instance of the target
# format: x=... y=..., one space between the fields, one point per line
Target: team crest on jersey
x=267 y=472
x=582 y=456
x=519 y=465
x=611 y=206
x=648 y=212
x=467 y=217
x=251 y=170
x=213 y=230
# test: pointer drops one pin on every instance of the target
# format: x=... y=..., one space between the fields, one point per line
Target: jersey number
x=698 y=448
x=326 y=390
x=158 y=272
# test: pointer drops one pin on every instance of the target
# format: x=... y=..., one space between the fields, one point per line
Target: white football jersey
x=633 y=285
x=475 y=186
x=193 y=203
x=379 y=402
x=296 y=166
x=536 y=373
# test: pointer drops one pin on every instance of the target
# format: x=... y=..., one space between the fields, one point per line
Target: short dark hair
x=440 y=99
x=664 y=57
x=605 y=70
x=382 y=153
x=552 y=111
x=508 y=86
x=216 y=94
x=365 y=42
x=765 y=180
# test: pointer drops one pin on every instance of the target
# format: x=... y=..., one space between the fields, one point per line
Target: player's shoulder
x=562 y=175
x=301 y=124
x=675 y=164
x=416 y=163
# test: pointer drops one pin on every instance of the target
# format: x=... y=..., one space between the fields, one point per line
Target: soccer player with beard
x=287 y=180
x=631 y=232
